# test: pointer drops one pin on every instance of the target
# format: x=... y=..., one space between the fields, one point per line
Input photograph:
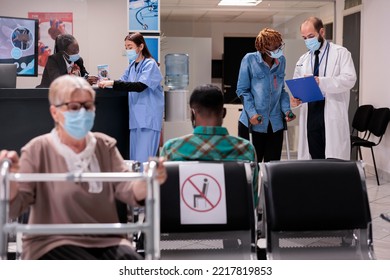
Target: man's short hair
x=207 y=99
x=317 y=23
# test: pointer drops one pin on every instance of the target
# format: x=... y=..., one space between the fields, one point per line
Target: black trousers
x=316 y=129
x=71 y=252
x=316 y=142
x=268 y=145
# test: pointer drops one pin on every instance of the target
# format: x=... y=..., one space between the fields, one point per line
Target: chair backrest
x=362 y=117
x=379 y=121
x=315 y=195
x=312 y=199
x=229 y=186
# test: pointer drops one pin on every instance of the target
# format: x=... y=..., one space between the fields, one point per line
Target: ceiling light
x=239 y=2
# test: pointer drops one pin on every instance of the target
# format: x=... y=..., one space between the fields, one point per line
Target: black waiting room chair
x=376 y=129
x=316 y=210
x=207 y=211
x=360 y=122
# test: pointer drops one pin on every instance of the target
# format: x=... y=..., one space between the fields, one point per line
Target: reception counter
x=24 y=114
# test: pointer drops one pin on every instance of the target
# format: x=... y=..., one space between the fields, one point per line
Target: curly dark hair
x=266 y=38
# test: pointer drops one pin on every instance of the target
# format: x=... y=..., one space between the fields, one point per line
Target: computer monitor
x=19 y=44
x=8 y=75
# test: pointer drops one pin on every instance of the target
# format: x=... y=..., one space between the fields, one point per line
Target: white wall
x=199 y=52
x=216 y=31
x=375 y=61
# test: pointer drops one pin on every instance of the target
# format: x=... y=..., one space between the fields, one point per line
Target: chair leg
x=360 y=153
x=376 y=171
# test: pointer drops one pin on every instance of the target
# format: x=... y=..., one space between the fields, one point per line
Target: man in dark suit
x=65 y=60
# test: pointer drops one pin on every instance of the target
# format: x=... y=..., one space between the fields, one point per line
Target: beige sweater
x=67 y=202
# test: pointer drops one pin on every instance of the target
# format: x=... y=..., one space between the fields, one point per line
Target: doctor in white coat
x=336 y=76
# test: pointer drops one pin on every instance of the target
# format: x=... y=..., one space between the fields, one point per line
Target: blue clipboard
x=306 y=89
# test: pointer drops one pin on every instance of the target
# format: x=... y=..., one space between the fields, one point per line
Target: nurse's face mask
x=131 y=55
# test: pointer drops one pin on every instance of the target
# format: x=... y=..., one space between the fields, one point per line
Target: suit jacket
x=56 y=67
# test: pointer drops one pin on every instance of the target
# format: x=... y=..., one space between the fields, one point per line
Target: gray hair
x=62 y=88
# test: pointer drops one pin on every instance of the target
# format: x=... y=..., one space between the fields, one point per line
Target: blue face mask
x=74 y=57
x=79 y=123
x=313 y=44
x=131 y=55
x=275 y=54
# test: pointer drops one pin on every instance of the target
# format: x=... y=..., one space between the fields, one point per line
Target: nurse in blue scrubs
x=142 y=79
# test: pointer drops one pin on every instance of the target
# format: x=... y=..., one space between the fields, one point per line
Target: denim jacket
x=262 y=90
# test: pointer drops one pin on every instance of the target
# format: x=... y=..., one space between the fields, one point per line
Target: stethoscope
x=137 y=70
x=326 y=51
x=152 y=7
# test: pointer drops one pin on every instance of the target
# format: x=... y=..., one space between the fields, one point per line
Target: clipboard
x=306 y=89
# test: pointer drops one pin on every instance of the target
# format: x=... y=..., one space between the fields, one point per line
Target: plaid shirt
x=209 y=143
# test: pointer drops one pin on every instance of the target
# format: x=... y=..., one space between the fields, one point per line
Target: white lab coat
x=339 y=78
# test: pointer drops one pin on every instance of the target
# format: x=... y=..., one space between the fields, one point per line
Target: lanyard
x=326 y=51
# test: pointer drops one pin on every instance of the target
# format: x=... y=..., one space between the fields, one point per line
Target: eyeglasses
x=76 y=106
x=280 y=48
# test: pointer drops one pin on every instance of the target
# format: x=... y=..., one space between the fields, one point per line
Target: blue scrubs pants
x=143 y=144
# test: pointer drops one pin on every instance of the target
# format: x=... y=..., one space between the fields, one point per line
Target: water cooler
x=176 y=104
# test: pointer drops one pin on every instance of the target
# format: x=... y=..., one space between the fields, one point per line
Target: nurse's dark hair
x=207 y=99
x=138 y=39
x=62 y=42
x=317 y=23
x=266 y=38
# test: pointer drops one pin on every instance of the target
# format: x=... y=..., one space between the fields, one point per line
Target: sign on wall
x=144 y=16
x=50 y=26
x=153 y=43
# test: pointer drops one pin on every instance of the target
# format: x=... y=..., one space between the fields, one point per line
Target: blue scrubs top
x=147 y=107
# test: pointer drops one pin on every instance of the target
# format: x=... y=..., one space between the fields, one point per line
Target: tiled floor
x=379 y=197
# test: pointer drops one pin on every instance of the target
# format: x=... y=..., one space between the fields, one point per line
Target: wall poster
x=153 y=43
x=50 y=26
x=144 y=16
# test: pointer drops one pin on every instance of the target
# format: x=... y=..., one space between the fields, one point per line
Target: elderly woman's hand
x=161 y=172
x=161 y=175
x=13 y=157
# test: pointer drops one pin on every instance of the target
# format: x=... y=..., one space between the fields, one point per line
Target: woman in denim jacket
x=261 y=89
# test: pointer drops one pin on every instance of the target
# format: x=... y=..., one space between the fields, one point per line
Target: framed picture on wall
x=144 y=16
x=50 y=26
x=153 y=43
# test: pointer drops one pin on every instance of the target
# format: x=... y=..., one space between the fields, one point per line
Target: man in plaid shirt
x=210 y=141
